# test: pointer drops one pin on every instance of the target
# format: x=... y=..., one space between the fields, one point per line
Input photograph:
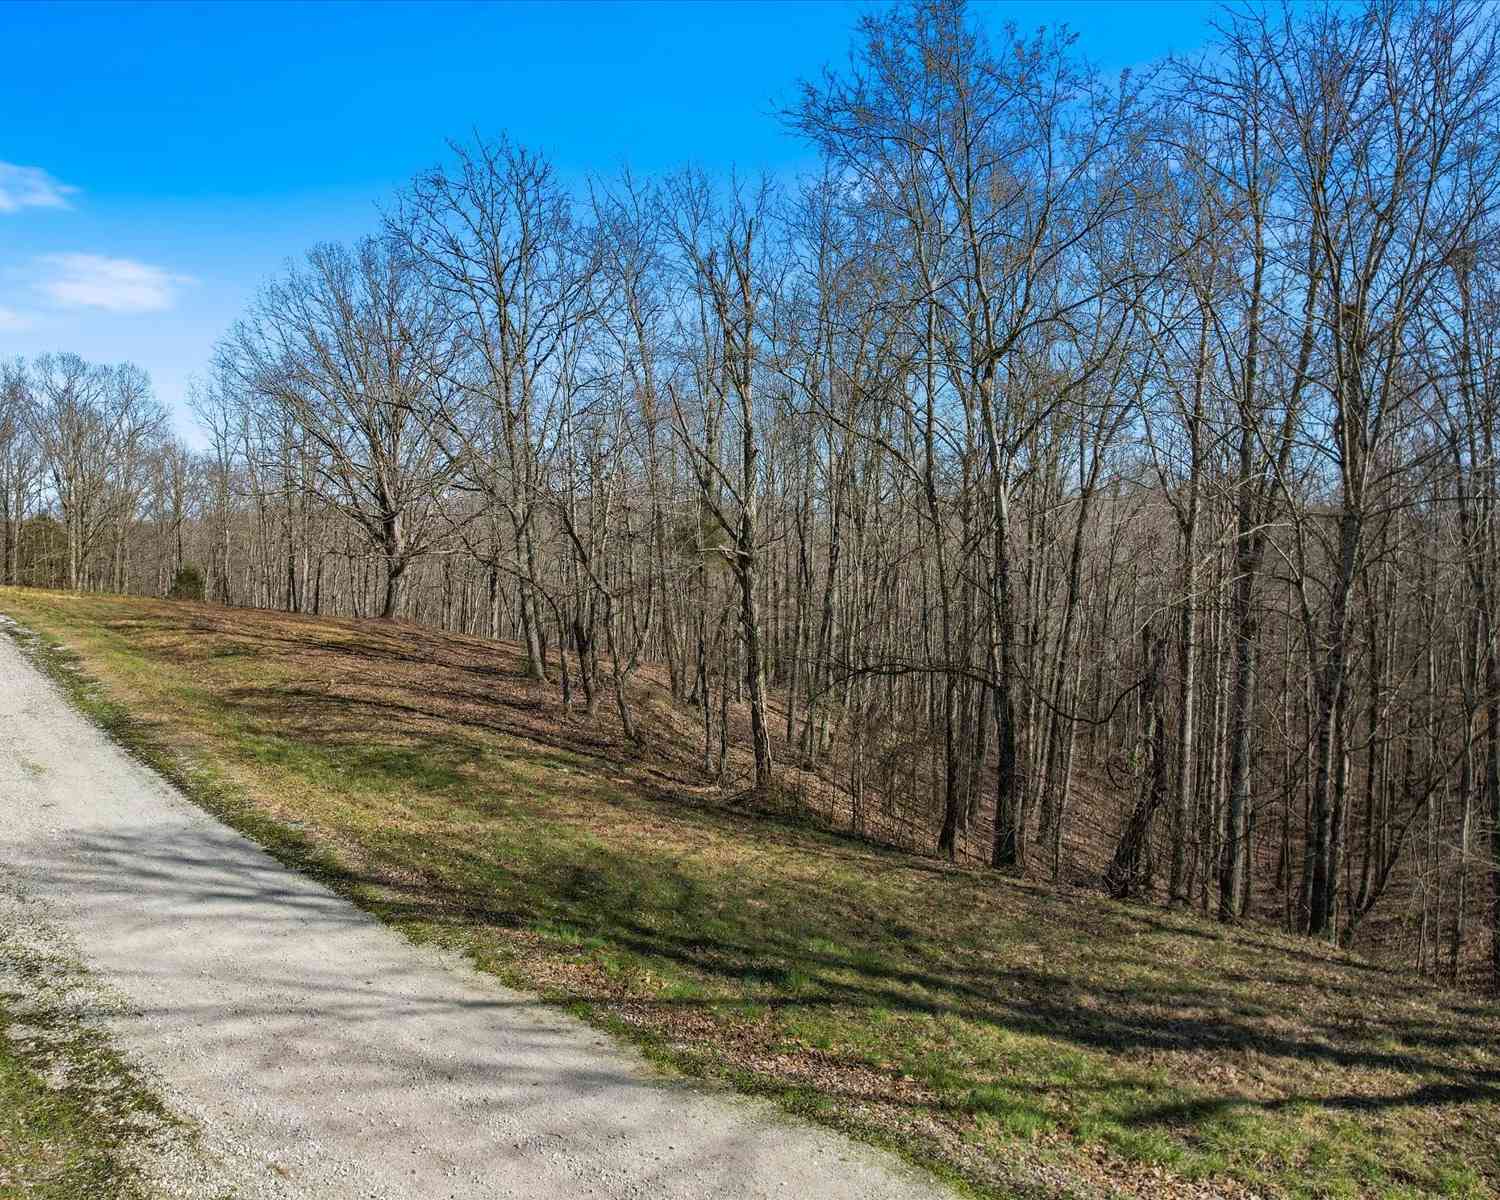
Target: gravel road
x=321 y=1054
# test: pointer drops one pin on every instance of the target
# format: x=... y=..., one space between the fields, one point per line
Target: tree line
x=1092 y=478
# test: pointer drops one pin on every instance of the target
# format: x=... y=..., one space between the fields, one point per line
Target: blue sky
x=159 y=161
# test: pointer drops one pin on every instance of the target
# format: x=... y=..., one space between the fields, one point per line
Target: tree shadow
x=918 y=958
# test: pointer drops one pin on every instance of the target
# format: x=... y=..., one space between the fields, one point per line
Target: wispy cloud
x=30 y=187
x=119 y=285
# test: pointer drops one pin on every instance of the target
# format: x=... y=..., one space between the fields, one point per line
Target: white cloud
x=30 y=187
x=119 y=285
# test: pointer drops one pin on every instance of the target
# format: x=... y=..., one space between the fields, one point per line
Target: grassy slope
x=1020 y=1039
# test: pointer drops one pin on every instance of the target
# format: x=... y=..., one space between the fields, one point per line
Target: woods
x=1092 y=479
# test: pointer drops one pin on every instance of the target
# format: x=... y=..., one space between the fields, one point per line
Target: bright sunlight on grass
x=1016 y=1039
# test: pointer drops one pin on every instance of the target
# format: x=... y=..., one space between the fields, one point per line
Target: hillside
x=1020 y=1039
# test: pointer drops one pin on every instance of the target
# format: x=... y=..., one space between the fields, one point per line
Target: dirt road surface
x=322 y=1055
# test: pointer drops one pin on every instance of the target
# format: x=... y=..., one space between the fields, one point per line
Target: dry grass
x=1023 y=1040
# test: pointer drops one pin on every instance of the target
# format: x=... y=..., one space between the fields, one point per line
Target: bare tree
x=494 y=237
x=94 y=424
x=349 y=357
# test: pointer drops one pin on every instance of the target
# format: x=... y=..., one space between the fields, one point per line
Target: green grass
x=48 y=1147
x=73 y=1113
x=1015 y=1039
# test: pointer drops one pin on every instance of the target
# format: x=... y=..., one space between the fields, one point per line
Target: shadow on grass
x=604 y=899
x=770 y=923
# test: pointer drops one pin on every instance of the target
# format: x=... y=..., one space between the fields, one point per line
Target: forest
x=1091 y=479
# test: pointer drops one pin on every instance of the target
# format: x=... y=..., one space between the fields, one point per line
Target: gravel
x=322 y=1055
